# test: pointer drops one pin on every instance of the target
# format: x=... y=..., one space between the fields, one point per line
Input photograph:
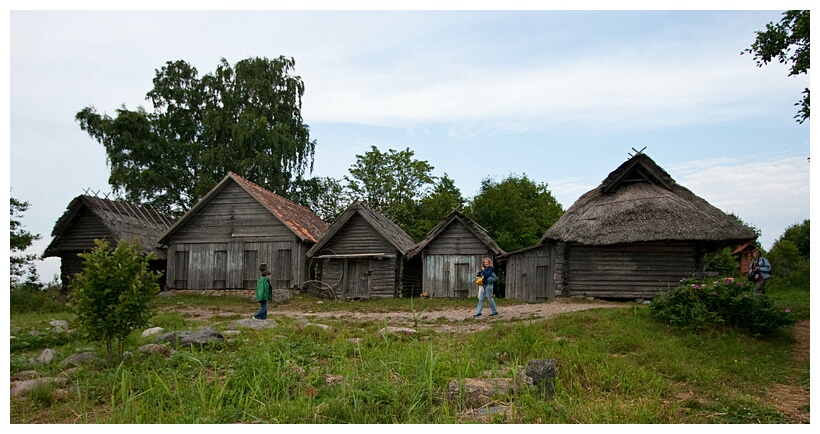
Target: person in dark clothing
x=264 y=292
x=486 y=291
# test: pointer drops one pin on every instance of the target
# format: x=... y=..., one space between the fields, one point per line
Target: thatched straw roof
x=384 y=226
x=303 y=222
x=640 y=202
x=124 y=221
x=456 y=216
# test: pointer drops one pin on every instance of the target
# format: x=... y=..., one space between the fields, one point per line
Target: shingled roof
x=638 y=202
x=303 y=222
x=125 y=221
x=471 y=225
x=384 y=226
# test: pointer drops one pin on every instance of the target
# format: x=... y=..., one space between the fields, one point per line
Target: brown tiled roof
x=303 y=222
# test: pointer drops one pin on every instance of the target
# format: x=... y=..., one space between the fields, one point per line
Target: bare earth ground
x=791 y=399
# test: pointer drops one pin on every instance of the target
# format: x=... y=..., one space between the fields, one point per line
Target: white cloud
x=764 y=190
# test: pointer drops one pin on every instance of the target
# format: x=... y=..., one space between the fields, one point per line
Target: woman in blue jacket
x=487 y=289
x=760 y=265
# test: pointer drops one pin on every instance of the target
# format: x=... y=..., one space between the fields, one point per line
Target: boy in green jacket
x=264 y=292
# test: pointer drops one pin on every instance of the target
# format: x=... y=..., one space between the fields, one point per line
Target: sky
x=561 y=96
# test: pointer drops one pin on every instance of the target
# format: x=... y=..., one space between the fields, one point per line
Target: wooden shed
x=451 y=254
x=637 y=234
x=745 y=252
x=233 y=232
x=364 y=255
x=89 y=218
x=530 y=272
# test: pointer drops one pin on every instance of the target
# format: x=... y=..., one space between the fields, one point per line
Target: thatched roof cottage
x=637 y=234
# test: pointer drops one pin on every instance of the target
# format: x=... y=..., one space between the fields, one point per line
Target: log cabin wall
x=628 y=271
x=532 y=273
x=223 y=245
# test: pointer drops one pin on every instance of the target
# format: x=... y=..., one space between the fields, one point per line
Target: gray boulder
x=542 y=372
x=251 y=323
x=190 y=339
x=47 y=356
x=397 y=331
x=156 y=349
x=152 y=331
x=79 y=359
x=59 y=325
x=23 y=388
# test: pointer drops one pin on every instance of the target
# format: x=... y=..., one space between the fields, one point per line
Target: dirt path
x=793 y=399
x=448 y=321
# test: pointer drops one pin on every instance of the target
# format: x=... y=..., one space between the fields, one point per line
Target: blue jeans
x=486 y=291
x=263 y=310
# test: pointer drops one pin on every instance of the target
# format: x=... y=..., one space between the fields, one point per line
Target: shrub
x=25 y=299
x=700 y=305
x=112 y=295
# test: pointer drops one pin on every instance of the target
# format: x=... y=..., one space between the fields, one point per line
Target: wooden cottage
x=530 y=272
x=236 y=230
x=451 y=254
x=363 y=255
x=89 y=218
x=637 y=234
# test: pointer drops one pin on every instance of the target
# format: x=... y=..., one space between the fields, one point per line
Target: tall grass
x=614 y=366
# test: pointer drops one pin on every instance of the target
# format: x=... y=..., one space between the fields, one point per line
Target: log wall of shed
x=629 y=271
x=84 y=229
x=357 y=237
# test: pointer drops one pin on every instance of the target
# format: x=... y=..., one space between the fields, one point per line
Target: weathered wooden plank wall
x=530 y=275
x=358 y=237
x=227 y=240
x=451 y=275
x=639 y=270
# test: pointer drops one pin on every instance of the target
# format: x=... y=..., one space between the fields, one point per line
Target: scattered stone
x=232 y=332
x=303 y=321
x=35 y=333
x=152 y=331
x=355 y=341
x=156 y=349
x=165 y=294
x=321 y=326
x=70 y=371
x=542 y=372
x=79 y=359
x=478 y=392
x=25 y=375
x=489 y=411
x=60 y=395
x=16 y=330
x=59 y=325
x=333 y=380
x=190 y=339
x=253 y=324
x=397 y=331
x=22 y=388
x=47 y=356
x=647 y=302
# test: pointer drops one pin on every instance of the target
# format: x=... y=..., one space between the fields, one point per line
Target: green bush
x=700 y=305
x=112 y=295
x=24 y=299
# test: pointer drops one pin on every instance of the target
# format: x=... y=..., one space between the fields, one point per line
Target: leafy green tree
x=111 y=296
x=515 y=212
x=789 y=42
x=324 y=196
x=798 y=234
x=790 y=258
x=432 y=208
x=21 y=265
x=390 y=182
x=244 y=118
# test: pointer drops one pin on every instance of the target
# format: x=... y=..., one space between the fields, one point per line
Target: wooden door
x=357 y=279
